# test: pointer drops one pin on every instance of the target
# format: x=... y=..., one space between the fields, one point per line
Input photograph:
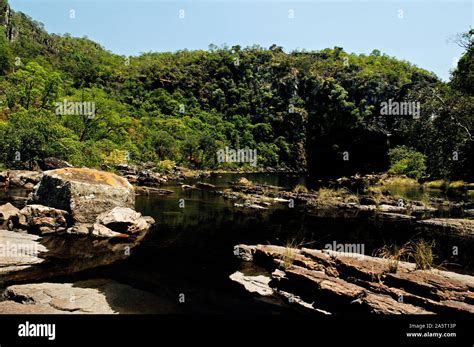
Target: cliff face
x=6 y=18
x=24 y=31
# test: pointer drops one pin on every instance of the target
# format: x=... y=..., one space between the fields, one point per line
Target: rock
x=102 y=232
x=29 y=186
x=132 y=178
x=125 y=221
x=451 y=225
x=250 y=206
x=19 y=178
x=80 y=229
x=54 y=163
x=392 y=209
x=254 y=282
x=43 y=219
x=98 y=296
x=281 y=200
x=13 y=307
x=186 y=186
x=84 y=193
x=152 y=191
x=367 y=200
x=9 y=216
x=66 y=247
x=119 y=218
x=388 y=216
x=26 y=256
x=469 y=212
x=336 y=282
x=203 y=185
x=127 y=169
x=18 y=252
x=149 y=178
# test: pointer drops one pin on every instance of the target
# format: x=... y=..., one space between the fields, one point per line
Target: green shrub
x=406 y=161
x=165 y=165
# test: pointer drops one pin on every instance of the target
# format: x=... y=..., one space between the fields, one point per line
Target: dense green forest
x=319 y=111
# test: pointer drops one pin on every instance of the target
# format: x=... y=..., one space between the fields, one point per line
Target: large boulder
x=84 y=221
x=84 y=193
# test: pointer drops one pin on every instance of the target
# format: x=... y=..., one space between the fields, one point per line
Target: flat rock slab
x=18 y=252
x=25 y=257
x=336 y=282
x=459 y=226
x=84 y=193
x=98 y=296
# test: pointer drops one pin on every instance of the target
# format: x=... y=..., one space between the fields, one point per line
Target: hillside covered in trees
x=318 y=111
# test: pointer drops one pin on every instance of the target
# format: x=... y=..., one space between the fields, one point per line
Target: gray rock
x=453 y=225
x=84 y=193
x=43 y=219
x=98 y=296
x=54 y=163
x=80 y=229
x=124 y=220
x=19 y=251
x=102 y=232
x=203 y=185
x=9 y=215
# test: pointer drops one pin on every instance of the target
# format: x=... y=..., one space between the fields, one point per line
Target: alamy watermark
x=354 y=250
x=400 y=108
x=18 y=250
x=230 y=155
x=76 y=108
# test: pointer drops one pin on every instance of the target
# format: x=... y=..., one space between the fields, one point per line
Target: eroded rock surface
x=84 y=193
x=97 y=296
x=333 y=282
x=46 y=241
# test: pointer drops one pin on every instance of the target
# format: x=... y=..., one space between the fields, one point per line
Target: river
x=188 y=256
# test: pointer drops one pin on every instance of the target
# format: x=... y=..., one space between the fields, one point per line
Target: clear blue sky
x=129 y=27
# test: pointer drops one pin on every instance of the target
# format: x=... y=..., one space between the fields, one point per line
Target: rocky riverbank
x=328 y=282
x=76 y=219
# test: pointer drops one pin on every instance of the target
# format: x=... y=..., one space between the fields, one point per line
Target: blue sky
x=417 y=30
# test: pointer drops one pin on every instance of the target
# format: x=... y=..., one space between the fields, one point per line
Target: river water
x=188 y=256
x=190 y=250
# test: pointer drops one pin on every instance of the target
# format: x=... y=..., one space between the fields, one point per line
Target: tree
x=6 y=56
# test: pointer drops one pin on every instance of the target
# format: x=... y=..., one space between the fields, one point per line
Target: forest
x=324 y=112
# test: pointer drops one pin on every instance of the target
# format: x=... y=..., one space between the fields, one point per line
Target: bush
x=116 y=157
x=165 y=166
x=406 y=161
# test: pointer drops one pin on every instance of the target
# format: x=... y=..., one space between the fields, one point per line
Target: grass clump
x=393 y=254
x=438 y=184
x=399 y=181
x=421 y=252
x=300 y=189
x=289 y=255
x=457 y=185
x=328 y=196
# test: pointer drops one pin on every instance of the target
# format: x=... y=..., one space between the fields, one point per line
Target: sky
x=419 y=31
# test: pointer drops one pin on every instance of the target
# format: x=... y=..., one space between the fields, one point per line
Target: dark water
x=190 y=249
